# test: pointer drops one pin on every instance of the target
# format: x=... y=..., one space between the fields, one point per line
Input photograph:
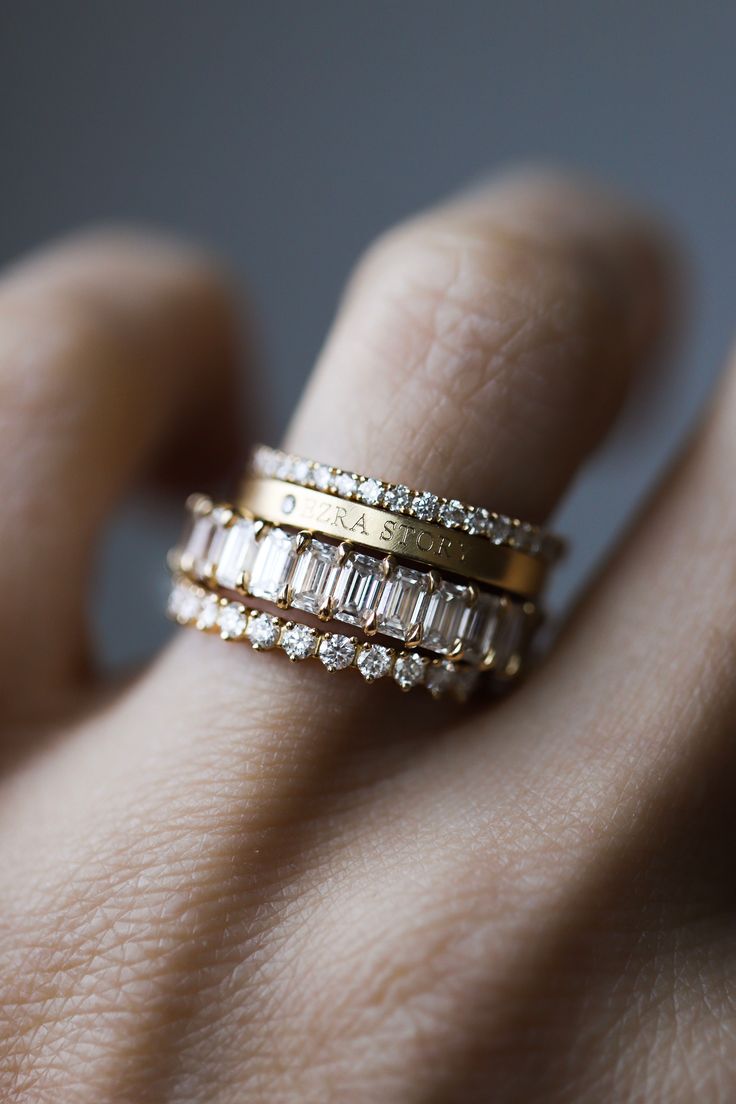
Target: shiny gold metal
x=471 y=594
x=199 y=504
x=370 y=625
x=344 y=550
x=456 y=651
x=473 y=558
x=284 y=598
x=388 y=563
x=303 y=540
x=434 y=579
x=327 y=610
x=414 y=636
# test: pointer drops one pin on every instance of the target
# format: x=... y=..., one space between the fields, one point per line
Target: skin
x=237 y=879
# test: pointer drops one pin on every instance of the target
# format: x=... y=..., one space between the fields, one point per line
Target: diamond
x=263 y=630
x=288 y=505
x=336 y=652
x=233 y=621
x=465 y=682
x=479 y=627
x=424 y=506
x=265 y=460
x=346 y=484
x=188 y=606
x=509 y=635
x=501 y=528
x=300 y=470
x=285 y=467
x=321 y=477
x=446 y=612
x=357 y=589
x=370 y=492
x=374 y=661
x=197 y=541
x=272 y=565
x=409 y=670
x=298 y=641
x=439 y=677
x=237 y=554
x=452 y=514
x=315 y=575
x=397 y=498
x=402 y=601
x=479 y=521
x=208 y=613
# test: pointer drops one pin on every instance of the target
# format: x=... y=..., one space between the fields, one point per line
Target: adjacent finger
x=109 y=345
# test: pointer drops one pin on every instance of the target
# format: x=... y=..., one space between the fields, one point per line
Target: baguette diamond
x=315 y=576
x=357 y=589
x=402 y=602
x=238 y=551
x=272 y=565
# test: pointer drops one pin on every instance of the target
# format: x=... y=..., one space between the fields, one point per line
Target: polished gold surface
x=471 y=557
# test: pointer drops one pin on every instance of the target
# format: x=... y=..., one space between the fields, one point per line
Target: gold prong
x=456 y=651
x=513 y=666
x=261 y=529
x=529 y=609
x=231 y=517
x=370 y=625
x=199 y=504
x=435 y=580
x=388 y=563
x=472 y=594
x=186 y=563
x=503 y=603
x=173 y=560
x=489 y=660
x=343 y=552
x=283 y=600
x=303 y=541
x=327 y=610
x=210 y=574
x=414 y=636
x=241 y=583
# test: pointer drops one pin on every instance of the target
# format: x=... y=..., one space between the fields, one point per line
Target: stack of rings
x=432 y=592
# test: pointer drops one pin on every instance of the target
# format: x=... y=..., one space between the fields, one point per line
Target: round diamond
x=370 y=492
x=452 y=513
x=346 y=484
x=285 y=467
x=374 y=661
x=298 y=641
x=233 y=621
x=337 y=652
x=479 y=521
x=263 y=630
x=189 y=606
x=501 y=528
x=409 y=670
x=287 y=506
x=439 y=677
x=300 y=471
x=265 y=461
x=424 y=506
x=321 y=476
x=397 y=498
x=208 y=613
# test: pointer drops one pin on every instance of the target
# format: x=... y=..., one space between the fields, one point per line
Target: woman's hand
x=242 y=880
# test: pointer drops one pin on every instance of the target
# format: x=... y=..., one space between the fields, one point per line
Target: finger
x=109 y=345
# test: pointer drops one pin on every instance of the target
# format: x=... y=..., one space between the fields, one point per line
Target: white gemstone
x=233 y=621
x=288 y=504
x=177 y=600
x=189 y=606
x=321 y=476
x=397 y=498
x=197 y=541
x=315 y=575
x=479 y=627
x=357 y=589
x=285 y=467
x=479 y=521
x=402 y=602
x=501 y=529
x=265 y=460
x=237 y=554
x=298 y=641
x=300 y=470
x=346 y=484
x=337 y=652
x=263 y=630
x=509 y=634
x=439 y=677
x=272 y=565
x=208 y=613
x=409 y=670
x=446 y=613
x=424 y=506
x=370 y=492
x=374 y=661
x=452 y=514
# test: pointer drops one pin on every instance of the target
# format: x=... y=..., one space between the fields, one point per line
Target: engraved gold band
x=451 y=514
x=195 y=606
x=459 y=553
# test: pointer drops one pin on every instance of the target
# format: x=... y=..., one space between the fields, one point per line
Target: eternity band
x=423 y=506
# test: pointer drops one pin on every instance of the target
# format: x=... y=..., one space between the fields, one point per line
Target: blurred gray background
x=288 y=134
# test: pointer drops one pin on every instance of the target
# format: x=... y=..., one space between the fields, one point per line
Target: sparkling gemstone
x=402 y=602
x=397 y=498
x=272 y=565
x=479 y=627
x=263 y=630
x=409 y=670
x=208 y=613
x=526 y=538
x=285 y=467
x=177 y=601
x=446 y=614
x=501 y=529
x=265 y=461
x=300 y=470
x=346 y=484
x=321 y=477
x=357 y=589
x=452 y=513
x=189 y=606
x=298 y=641
x=288 y=504
x=424 y=506
x=370 y=491
x=336 y=651
x=374 y=661
x=509 y=635
x=233 y=621
x=197 y=541
x=236 y=556
x=315 y=575
x=439 y=677
x=479 y=521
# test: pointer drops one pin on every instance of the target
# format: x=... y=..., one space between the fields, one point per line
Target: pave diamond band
x=450 y=514
x=378 y=530
x=196 y=606
x=375 y=595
